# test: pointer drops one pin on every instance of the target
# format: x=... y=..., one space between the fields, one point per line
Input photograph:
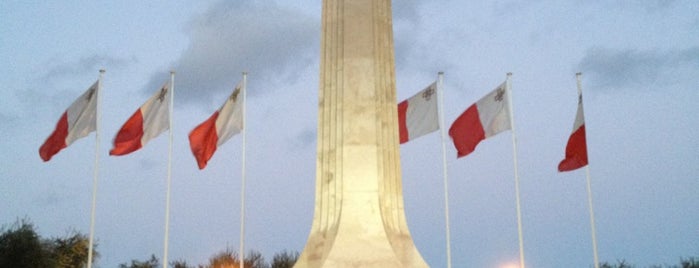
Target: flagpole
x=578 y=77
x=442 y=128
x=169 y=170
x=96 y=171
x=514 y=155
x=592 y=217
x=242 y=180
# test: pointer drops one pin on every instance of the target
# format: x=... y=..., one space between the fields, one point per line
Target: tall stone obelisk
x=359 y=218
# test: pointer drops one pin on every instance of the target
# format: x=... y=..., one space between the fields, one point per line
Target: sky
x=640 y=76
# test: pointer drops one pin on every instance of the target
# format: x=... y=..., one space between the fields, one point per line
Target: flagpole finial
x=509 y=74
x=440 y=73
x=172 y=71
x=578 y=73
x=102 y=71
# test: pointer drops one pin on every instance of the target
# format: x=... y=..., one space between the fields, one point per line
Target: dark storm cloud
x=270 y=42
x=612 y=68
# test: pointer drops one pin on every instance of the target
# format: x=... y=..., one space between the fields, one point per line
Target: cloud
x=53 y=88
x=59 y=77
x=88 y=64
x=611 y=68
x=232 y=37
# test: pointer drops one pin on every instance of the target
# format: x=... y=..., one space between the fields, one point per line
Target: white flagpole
x=96 y=171
x=242 y=180
x=589 y=191
x=592 y=217
x=169 y=170
x=442 y=128
x=514 y=155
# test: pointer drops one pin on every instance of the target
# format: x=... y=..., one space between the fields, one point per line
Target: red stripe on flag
x=402 y=122
x=128 y=139
x=467 y=131
x=576 y=151
x=203 y=140
x=57 y=140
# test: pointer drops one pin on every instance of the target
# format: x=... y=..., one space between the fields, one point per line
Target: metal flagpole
x=589 y=190
x=442 y=128
x=514 y=155
x=242 y=180
x=169 y=170
x=96 y=171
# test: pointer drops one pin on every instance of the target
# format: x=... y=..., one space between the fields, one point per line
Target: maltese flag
x=576 y=149
x=221 y=126
x=418 y=115
x=484 y=119
x=76 y=122
x=146 y=123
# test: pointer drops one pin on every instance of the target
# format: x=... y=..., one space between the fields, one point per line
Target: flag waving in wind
x=221 y=126
x=485 y=118
x=146 y=123
x=418 y=115
x=76 y=122
x=576 y=149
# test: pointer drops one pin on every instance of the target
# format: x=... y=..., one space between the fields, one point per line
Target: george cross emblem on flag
x=500 y=95
x=163 y=92
x=90 y=94
x=234 y=96
x=427 y=95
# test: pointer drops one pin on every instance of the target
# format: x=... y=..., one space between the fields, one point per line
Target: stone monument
x=359 y=220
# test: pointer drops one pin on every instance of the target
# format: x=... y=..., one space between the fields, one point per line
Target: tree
x=224 y=259
x=180 y=264
x=255 y=260
x=622 y=264
x=689 y=263
x=284 y=259
x=20 y=246
x=71 y=251
x=151 y=263
x=230 y=259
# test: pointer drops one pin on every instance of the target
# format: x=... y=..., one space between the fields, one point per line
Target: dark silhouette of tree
x=150 y=263
x=20 y=246
x=180 y=264
x=284 y=259
x=689 y=263
x=620 y=264
x=684 y=263
x=255 y=260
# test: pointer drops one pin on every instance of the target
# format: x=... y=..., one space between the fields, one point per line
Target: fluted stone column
x=359 y=220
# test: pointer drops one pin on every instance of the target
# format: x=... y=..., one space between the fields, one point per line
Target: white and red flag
x=146 y=123
x=418 y=115
x=576 y=149
x=221 y=126
x=484 y=119
x=76 y=122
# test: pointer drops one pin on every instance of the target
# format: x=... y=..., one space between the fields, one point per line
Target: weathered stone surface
x=359 y=220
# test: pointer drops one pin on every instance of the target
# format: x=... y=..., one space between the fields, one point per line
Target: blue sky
x=640 y=65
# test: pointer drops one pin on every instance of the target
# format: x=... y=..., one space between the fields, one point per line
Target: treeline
x=22 y=247
x=684 y=263
x=224 y=259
